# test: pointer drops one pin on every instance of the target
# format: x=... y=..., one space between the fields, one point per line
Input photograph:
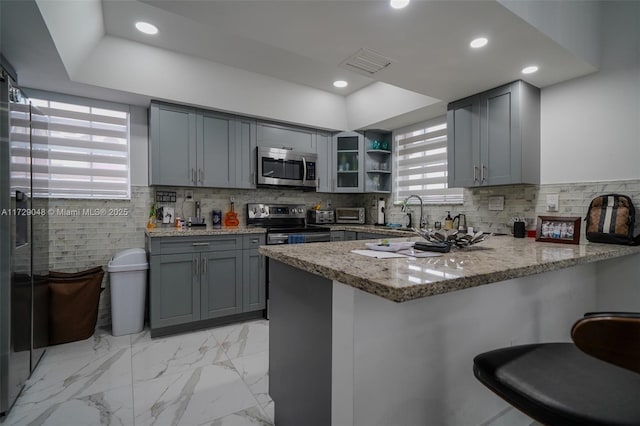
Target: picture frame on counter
x=558 y=229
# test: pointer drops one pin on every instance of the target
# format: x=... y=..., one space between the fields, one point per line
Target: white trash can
x=128 y=278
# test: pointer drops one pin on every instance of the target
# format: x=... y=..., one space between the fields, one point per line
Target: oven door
x=296 y=238
x=285 y=168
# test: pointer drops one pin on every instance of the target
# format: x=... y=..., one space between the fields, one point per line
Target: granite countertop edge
x=201 y=231
x=444 y=286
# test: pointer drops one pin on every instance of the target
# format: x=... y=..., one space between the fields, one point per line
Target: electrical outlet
x=188 y=195
x=552 y=202
x=232 y=198
x=328 y=203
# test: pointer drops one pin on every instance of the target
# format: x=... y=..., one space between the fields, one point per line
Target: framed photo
x=558 y=229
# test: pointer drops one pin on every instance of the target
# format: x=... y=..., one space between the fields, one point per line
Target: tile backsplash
x=528 y=201
x=79 y=242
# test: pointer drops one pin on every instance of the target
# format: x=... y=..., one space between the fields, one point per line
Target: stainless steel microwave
x=282 y=167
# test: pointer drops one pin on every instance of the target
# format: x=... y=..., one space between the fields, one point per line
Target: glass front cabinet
x=348 y=158
x=362 y=162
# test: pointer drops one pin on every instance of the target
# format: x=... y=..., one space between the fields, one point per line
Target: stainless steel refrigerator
x=24 y=252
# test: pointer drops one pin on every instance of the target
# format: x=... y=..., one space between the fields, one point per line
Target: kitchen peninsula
x=362 y=341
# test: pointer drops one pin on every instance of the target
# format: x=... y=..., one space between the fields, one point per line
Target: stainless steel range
x=285 y=223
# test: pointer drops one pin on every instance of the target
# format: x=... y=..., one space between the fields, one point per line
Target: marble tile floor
x=215 y=377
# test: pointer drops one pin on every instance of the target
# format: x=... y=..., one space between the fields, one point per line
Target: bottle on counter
x=152 y=221
x=448 y=221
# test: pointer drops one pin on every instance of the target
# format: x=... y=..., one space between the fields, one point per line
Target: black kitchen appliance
x=285 y=224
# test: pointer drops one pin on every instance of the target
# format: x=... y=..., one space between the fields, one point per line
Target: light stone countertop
x=172 y=231
x=498 y=258
x=369 y=228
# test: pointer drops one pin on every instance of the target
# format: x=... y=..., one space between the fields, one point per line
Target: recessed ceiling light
x=529 y=70
x=340 y=83
x=147 y=28
x=478 y=42
x=399 y=4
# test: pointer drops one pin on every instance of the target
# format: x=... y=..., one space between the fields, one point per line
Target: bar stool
x=595 y=381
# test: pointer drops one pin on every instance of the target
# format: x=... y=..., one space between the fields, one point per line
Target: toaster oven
x=320 y=216
x=353 y=215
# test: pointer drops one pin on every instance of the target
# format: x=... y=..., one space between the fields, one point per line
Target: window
x=84 y=152
x=421 y=163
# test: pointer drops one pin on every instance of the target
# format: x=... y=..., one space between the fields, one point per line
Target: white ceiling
x=305 y=41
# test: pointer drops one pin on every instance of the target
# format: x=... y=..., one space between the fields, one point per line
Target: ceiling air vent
x=366 y=61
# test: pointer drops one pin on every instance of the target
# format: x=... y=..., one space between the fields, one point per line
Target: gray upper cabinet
x=245 y=153
x=172 y=152
x=324 y=166
x=193 y=147
x=494 y=137
x=463 y=147
x=216 y=155
x=286 y=137
x=347 y=151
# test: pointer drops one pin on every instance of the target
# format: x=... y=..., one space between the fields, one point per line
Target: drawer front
x=253 y=241
x=180 y=245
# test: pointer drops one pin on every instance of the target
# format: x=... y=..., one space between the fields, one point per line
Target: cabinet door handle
x=475 y=173
x=288 y=148
x=482 y=172
x=200 y=244
x=201 y=172
x=254 y=241
x=195 y=269
x=253 y=178
x=204 y=266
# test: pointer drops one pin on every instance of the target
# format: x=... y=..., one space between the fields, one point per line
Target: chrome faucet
x=423 y=222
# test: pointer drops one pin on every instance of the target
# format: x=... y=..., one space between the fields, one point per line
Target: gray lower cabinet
x=372 y=236
x=254 y=274
x=221 y=284
x=199 y=278
x=350 y=236
x=253 y=280
x=493 y=138
x=337 y=236
x=174 y=289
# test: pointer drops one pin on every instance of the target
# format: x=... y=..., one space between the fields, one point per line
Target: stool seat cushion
x=557 y=384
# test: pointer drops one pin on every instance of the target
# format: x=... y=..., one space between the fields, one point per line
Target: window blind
x=421 y=163
x=82 y=152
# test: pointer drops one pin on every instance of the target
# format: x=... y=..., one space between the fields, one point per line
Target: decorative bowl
x=454 y=238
